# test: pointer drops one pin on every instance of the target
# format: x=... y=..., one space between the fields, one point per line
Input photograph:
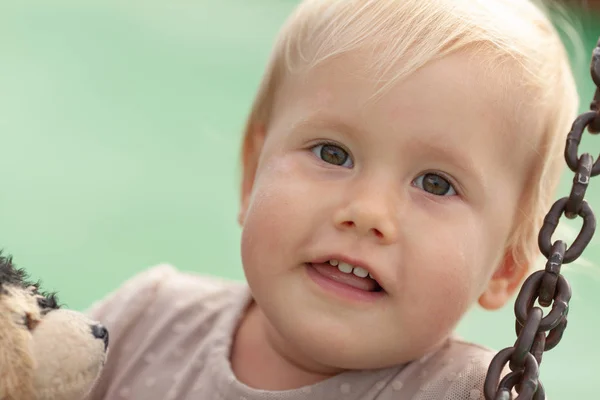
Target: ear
x=251 y=150
x=507 y=278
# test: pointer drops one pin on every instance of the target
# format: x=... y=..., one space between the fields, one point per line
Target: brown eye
x=30 y=322
x=435 y=184
x=332 y=154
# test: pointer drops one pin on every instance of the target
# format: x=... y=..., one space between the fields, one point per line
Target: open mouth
x=348 y=275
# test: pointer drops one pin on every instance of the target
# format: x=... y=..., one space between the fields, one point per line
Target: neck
x=282 y=367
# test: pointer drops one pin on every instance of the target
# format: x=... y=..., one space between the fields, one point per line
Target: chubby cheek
x=277 y=216
x=449 y=275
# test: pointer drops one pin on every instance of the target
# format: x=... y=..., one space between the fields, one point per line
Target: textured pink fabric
x=170 y=334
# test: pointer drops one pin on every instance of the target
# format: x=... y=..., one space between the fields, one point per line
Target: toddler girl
x=397 y=163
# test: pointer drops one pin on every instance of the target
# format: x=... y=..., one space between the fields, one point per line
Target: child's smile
x=350 y=278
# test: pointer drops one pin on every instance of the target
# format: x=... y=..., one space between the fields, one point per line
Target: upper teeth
x=348 y=268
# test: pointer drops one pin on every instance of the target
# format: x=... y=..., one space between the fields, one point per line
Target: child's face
x=420 y=187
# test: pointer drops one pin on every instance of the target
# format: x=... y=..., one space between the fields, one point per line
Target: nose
x=100 y=332
x=370 y=213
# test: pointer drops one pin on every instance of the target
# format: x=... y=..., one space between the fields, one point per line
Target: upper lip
x=355 y=262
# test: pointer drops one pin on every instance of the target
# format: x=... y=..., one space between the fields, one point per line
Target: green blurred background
x=121 y=123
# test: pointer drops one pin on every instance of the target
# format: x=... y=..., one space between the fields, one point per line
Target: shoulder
x=157 y=287
x=162 y=297
x=137 y=290
x=455 y=371
x=150 y=315
x=460 y=370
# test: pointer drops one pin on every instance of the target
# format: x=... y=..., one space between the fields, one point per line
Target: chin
x=335 y=335
x=333 y=343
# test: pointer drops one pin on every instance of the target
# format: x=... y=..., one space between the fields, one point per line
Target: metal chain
x=549 y=287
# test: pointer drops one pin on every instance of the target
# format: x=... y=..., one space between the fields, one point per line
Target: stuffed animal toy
x=46 y=352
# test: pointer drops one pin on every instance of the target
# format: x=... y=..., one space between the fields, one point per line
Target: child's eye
x=435 y=184
x=333 y=154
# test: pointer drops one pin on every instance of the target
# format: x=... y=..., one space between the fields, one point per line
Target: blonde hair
x=416 y=32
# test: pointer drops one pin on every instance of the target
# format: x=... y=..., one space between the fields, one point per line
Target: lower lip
x=340 y=289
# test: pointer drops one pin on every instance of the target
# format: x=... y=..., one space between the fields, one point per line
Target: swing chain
x=595 y=69
x=548 y=286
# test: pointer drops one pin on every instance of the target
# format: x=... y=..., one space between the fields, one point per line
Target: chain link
x=595 y=105
x=537 y=333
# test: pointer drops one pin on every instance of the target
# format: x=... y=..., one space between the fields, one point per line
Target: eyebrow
x=327 y=122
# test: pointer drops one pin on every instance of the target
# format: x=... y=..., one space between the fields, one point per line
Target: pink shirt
x=170 y=335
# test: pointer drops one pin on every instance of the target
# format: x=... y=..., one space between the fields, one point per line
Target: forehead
x=17 y=300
